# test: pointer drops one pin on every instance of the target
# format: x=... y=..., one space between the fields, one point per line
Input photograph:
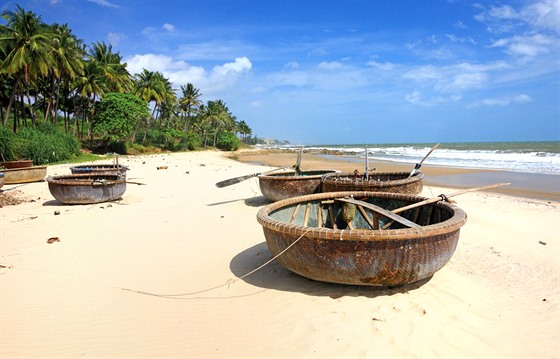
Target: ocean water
x=527 y=157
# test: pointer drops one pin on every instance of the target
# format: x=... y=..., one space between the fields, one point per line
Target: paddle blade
x=235 y=180
x=416 y=169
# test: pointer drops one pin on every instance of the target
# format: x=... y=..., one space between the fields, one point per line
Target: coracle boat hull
x=361 y=256
x=17 y=164
x=282 y=185
x=87 y=188
x=24 y=174
x=99 y=168
x=394 y=182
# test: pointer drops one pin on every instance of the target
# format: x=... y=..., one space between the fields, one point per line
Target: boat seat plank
x=382 y=211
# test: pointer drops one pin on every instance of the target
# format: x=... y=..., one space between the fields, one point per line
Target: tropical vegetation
x=52 y=83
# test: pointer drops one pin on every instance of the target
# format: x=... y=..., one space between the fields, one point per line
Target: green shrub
x=45 y=144
x=191 y=141
x=7 y=143
x=228 y=141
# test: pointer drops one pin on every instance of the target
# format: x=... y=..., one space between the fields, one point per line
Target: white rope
x=224 y=284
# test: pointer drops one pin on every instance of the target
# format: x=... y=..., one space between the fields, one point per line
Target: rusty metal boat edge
x=87 y=188
x=395 y=182
x=277 y=186
x=24 y=174
x=370 y=257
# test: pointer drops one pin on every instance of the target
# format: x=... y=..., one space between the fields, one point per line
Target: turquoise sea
x=529 y=157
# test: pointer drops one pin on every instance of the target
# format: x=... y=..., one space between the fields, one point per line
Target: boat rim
x=454 y=223
x=285 y=176
x=82 y=179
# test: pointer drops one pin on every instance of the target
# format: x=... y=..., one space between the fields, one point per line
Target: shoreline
x=529 y=185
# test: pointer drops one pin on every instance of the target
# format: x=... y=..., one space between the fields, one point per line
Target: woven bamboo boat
x=394 y=182
x=287 y=184
x=17 y=164
x=107 y=168
x=87 y=188
x=25 y=174
x=367 y=245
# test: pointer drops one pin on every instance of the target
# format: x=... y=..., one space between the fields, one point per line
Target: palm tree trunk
x=10 y=104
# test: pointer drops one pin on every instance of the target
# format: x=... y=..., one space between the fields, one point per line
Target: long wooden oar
x=367 y=165
x=235 y=180
x=297 y=166
x=419 y=164
x=441 y=197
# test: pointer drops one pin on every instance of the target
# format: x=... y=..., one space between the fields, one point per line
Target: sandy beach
x=158 y=275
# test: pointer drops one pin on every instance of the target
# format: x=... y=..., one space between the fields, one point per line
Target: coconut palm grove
x=61 y=98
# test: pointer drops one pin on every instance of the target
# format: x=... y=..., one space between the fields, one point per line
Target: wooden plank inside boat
x=382 y=211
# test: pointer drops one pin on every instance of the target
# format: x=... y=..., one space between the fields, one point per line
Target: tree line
x=49 y=76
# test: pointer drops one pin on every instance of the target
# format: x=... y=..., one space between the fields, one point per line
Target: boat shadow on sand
x=275 y=276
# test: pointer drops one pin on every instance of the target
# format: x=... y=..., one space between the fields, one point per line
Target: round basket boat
x=99 y=168
x=25 y=174
x=369 y=245
x=394 y=182
x=282 y=185
x=87 y=188
x=17 y=164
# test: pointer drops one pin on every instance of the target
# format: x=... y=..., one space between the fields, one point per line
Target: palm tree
x=189 y=102
x=153 y=86
x=90 y=84
x=244 y=129
x=220 y=117
x=117 y=76
x=67 y=54
x=28 y=47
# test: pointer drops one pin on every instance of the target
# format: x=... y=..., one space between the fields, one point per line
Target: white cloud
x=180 y=72
x=527 y=46
x=115 y=38
x=148 y=31
x=240 y=65
x=385 y=66
x=292 y=65
x=416 y=98
x=502 y=101
x=333 y=65
x=454 y=78
x=456 y=39
x=169 y=27
x=460 y=25
x=544 y=14
x=104 y=3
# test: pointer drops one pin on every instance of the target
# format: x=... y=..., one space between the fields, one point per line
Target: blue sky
x=349 y=71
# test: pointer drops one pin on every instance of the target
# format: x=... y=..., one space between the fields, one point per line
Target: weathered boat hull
x=360 y=256
x=99 y=168
x=87 y=188
x=394 y=182
x=17 y=164
x=282 y=185
x=25 y=174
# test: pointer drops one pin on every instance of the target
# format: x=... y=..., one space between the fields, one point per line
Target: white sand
x=156 y=275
